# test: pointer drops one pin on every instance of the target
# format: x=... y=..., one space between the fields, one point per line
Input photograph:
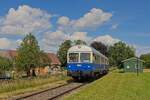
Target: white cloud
x=6 y=43
x=18 y=42
x=63 y=20
x=94 y=18
x=52 y=40
x=106 y=39
x=142 y=50
x=25 y=19
x=80 y=36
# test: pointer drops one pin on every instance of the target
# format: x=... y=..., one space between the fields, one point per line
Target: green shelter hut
x=133 y=65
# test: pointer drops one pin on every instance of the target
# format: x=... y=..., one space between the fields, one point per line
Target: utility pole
x=137 y=67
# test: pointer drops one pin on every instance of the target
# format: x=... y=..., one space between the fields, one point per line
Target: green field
x=116 y=86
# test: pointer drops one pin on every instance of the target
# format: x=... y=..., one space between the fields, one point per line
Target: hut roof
x=54 y=59
x=132 y=58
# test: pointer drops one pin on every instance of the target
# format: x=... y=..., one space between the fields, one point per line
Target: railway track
x=52 y=93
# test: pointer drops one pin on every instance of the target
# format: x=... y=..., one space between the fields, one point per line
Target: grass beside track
x=116 y=86
x=15 y=87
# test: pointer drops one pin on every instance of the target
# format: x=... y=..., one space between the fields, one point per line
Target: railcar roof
x=85 y=48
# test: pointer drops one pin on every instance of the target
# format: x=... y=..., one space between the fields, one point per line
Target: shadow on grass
x=86 y=79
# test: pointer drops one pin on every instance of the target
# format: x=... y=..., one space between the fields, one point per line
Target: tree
x=119 y=52
x=79 y=42
x=146 y=58
x=100 y=47
x=5 y=64
x=62 y=52
x=44 y=60
x=28 y=55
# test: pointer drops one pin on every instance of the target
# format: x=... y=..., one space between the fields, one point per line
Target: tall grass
x=28 y=83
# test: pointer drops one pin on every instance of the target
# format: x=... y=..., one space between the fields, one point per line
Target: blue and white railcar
x=85 y=61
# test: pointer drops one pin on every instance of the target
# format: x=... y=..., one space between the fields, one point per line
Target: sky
x=53 y=21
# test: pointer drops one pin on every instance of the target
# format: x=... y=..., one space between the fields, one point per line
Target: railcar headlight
x=69 y=66
x=89 y=66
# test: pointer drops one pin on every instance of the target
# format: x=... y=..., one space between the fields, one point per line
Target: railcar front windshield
x=73 y=57
x=85 y=57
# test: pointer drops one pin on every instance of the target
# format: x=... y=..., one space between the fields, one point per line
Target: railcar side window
x=102 y=60
x=73 y=57
x=96 y=58
x=85 y=57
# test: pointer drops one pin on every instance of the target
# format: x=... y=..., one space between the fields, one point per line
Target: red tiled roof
x=54 y=59
x=12 y=53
